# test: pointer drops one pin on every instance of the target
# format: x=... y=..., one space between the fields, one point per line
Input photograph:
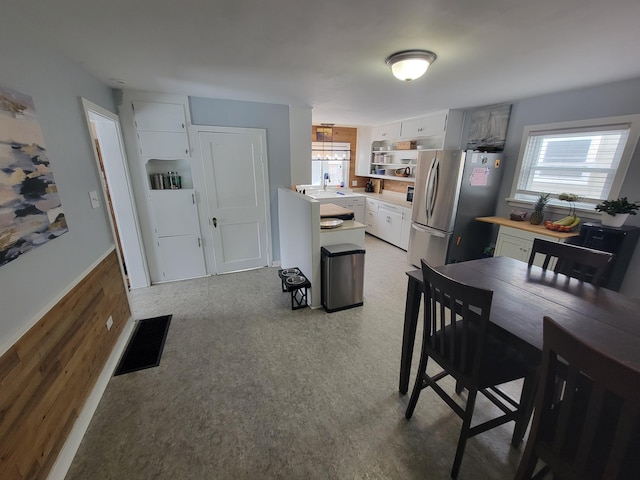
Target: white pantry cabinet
x=163 y=147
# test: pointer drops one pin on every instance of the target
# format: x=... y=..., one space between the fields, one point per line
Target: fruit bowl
x=549 y=225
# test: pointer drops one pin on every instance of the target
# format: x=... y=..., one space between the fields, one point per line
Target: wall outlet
x=354 y=183
x=109 y=322
x=95 y=202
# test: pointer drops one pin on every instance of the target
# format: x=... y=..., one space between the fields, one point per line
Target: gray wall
x=29 y=284
x=621 y=98
x=275 y=120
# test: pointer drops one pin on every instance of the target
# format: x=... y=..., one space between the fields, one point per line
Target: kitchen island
x=301 y=237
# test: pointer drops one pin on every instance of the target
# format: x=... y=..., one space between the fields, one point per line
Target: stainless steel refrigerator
x=452 y=188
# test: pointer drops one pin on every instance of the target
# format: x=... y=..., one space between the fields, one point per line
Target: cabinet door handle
x=186 y=150
x=193 y=198
x=199 y=244
x=215 y=222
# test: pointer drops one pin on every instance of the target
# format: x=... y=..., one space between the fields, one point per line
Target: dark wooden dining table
x=522 y=296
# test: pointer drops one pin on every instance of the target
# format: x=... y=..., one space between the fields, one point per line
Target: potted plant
x=615 y=212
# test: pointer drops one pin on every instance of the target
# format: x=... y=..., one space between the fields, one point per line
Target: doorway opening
x=106 y=136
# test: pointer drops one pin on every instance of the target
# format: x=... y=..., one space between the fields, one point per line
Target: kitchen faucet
x=325 y=180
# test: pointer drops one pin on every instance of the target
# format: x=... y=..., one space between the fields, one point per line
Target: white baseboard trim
x=72 y=443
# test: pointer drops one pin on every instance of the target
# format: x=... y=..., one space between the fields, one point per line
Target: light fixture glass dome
x=410 y=64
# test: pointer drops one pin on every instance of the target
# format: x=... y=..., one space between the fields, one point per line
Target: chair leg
x=417 y=388
x=527 y=401
x=464 y=432
x=527 y=463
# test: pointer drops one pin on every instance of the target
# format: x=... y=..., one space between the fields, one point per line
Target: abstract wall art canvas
x=30 y=210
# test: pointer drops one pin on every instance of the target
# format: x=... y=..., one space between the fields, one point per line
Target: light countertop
x=347 y=225
x=393 y=197
x=528 y=227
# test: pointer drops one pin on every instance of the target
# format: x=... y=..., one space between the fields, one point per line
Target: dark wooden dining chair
x=593 y=432
x=585 y=264
x=457 y=336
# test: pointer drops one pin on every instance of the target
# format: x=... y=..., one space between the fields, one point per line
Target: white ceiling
x=330 y=54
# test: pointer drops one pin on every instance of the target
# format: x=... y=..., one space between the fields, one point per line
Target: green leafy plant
x=619 y=205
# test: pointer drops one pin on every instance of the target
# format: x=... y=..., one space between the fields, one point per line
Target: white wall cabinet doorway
x=104 y=129
x=235 y=180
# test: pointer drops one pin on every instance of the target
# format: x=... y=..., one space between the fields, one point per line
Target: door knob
x=215 y=222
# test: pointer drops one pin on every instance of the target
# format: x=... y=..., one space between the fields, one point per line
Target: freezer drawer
x=342 y=276
x=429 y=244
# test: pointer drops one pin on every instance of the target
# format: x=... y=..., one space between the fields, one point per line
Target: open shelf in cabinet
x=161 y=166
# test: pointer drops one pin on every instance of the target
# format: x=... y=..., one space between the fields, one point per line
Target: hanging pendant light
x=410 y=64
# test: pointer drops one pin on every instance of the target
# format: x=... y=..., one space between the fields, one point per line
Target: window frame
x=597 y=124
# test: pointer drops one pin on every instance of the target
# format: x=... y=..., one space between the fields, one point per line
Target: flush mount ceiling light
x=410 y=64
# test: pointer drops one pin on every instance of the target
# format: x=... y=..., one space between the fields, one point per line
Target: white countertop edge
x=347 y=225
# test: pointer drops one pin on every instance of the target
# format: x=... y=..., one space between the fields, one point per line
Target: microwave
x=410 y=194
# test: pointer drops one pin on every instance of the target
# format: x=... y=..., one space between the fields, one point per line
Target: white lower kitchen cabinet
x=371 y=216
x=389 y=223
x=357 y=205
x=406 y=228
x=181 y=257
x=517 y=244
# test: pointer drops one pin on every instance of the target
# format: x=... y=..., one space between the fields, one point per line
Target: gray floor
x=248 y=388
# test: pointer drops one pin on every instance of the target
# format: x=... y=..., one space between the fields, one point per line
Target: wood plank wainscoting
x=48 y=374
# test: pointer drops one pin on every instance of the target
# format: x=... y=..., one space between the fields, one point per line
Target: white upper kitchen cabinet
x=386 y=132
x=425 y=126
x=159 y=117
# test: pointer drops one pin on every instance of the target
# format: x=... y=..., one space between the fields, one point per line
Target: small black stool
x=293 y=280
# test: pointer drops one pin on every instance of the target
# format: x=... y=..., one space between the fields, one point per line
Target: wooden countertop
x=528 y=227
x=333 y=210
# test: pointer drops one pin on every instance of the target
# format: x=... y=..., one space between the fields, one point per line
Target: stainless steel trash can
x=342 y=276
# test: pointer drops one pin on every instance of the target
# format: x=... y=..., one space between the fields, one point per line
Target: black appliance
x=410 y=194
x=618 y=240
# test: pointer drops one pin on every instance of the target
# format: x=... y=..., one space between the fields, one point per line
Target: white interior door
x=104 y=126
x=236 y=185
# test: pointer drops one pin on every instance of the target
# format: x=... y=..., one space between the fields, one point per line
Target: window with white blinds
x=589 y=161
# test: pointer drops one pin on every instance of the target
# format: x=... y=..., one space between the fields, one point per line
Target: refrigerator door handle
x=430 y=231
x=432 y=186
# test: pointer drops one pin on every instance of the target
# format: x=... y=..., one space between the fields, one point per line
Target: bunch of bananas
x=565 y=224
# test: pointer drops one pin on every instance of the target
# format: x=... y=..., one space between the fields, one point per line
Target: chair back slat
x=593 y=430
x=459 y=319
x=585 y=264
